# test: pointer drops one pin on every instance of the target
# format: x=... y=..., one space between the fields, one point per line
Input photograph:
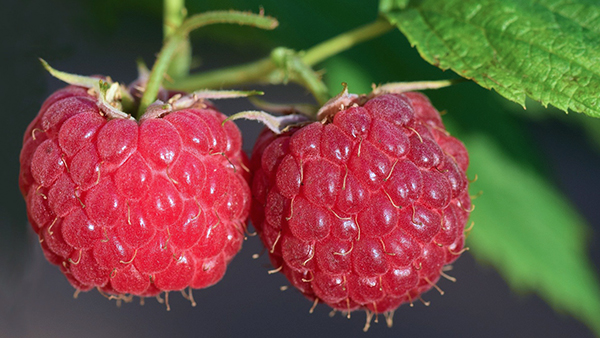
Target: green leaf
x=544 y=49
x=531 y=234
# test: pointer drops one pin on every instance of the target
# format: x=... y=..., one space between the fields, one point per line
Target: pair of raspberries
x=360 y=211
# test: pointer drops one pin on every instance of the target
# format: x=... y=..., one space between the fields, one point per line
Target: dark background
x=37 y=301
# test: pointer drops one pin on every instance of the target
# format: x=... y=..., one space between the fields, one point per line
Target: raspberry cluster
x=363 y=210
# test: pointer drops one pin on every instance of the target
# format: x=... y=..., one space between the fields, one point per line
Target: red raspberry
x=363 y=210
x=134 y=207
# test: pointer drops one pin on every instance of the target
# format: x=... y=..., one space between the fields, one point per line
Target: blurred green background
x=537 y=170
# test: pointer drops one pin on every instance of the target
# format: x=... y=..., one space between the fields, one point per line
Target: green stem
x=158 y=72
x=174 y=14
x=259 y=71
x=227 y=77
x=290 y=63
x=311 y=80
x=159 y=68
x=240 y=18
x=345 y=41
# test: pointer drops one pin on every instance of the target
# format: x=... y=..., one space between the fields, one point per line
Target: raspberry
x=134 y=207
x=364 y=209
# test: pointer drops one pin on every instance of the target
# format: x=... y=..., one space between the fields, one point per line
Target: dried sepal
x=306 y=109
x=277 y=124
x=403 y=87
x=338 y=103
x=200 y=95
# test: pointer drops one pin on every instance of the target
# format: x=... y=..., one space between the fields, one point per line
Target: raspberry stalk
x=161 y=65
x=173 y=16
x=345 y=41
x=264 y=70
